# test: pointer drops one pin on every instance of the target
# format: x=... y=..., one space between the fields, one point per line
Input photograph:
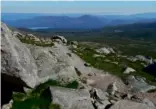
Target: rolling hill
x=73 y=21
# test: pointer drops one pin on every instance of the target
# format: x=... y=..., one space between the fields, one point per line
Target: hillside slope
x=52 y=73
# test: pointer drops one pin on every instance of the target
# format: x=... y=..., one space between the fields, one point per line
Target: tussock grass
x=39 y=97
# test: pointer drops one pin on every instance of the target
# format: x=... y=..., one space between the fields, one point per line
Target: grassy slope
x=86 y=53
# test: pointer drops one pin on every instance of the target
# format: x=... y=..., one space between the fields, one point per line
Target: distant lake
x=35 y=28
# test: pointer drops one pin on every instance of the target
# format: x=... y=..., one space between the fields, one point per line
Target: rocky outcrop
x=144 y=96
x=17 y=34
x=37 y=64
x=8 y=106
x=105 y=50
x=59 y=38
x=58 y=62
x=71 y=98
x=105 y=81
x=145 y=59
x=131 y=58
x=128 y=70
x=98 y=55
x=16 y=58
x=138 y=84
x=100 y=99
x=142 y=58
x=54 y=63
x=33 y=37
x=80 y=98
x=148 y=102
x=125 y=104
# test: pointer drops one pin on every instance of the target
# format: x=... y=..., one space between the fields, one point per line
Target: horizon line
x=78 y=13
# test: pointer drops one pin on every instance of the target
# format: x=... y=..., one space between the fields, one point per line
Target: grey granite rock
x=138 y=84
x=71 y=98
x=16 y=58
x=8 y=106
x=148 y=102
x=125 y=104
x=105 y=50
x=128 y=70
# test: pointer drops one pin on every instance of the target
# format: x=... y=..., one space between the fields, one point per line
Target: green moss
x=73 y=85
x=45 y=85
x=31 y=41
x=30 y=103
x=153 y=90
x=19 y=96
x=39 y=97
x=41 y=101
x=54 y=106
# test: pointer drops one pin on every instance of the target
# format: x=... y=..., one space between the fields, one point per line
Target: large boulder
x=33 y=37
x=148 y=102
x=144 y=59
x=144 y=96
x=100 y=99
x=125 y=104
x=128 y=70
x=59 y=38
x=53 y=63
x=132 y=58
x=105 y=81
x=16 y=59
x=18 y=34
x=71 y=98
x=58 y=62
x=139 y=84
x=8 y=106
x=105 y=50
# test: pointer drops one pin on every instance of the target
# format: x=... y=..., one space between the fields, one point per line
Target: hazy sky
x=102 y=7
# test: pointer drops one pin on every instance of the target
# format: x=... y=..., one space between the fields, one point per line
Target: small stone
x=69 y=54
x=8 y=106
x=87 y=64
x=129 y=96
x=112 y=101
x=126 y=104
x=128 y=70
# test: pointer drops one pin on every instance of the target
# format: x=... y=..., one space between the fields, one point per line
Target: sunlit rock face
x=16 y=58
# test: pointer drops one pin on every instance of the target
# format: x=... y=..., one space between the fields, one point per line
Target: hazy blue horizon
x=77 y=13
x=79 y=7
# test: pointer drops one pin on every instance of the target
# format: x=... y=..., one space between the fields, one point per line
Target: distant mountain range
x=76 y=21
x=141 y=31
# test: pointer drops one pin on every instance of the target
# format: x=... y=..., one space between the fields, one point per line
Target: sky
x=87 y=7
